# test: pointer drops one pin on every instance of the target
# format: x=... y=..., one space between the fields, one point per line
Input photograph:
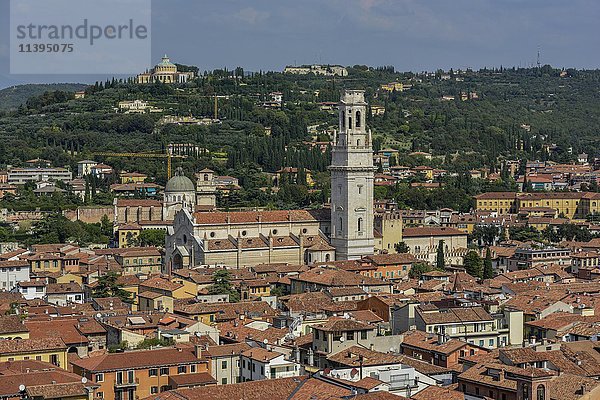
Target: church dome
x=166 y=62
x=179 y=183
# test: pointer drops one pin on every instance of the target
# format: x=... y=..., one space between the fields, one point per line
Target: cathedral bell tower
x=352 y=180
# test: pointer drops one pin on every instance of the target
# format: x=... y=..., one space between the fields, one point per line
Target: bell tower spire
x=352 y=175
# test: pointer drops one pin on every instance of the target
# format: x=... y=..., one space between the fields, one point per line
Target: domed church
x=165 y=72
x=180 y=193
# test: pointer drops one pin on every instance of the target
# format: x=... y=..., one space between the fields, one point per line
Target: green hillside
x=12 y=97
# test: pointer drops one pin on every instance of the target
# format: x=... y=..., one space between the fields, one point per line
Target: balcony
x=283 y=374
x=126 y=383
x=404 y=384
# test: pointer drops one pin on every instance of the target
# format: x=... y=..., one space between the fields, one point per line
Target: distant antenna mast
x=538 y=58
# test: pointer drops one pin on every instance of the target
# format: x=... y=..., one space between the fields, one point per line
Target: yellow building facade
x=571 y=205
x=51 y=350
x=389 y=225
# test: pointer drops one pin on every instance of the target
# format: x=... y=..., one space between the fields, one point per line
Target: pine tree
x=488 y=271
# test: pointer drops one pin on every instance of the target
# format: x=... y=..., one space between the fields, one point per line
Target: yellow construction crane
x=168 y=156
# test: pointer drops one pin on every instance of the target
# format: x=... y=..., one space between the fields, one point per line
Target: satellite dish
x=84 y=380
x=265 y=341
x=99 y=315
x=21 y=388
x=342 y=339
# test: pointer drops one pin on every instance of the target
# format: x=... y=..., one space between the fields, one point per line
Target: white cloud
x=251 y=15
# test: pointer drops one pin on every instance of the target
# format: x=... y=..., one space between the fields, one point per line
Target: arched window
x=327 y=258
x=541 y=393
x=525 y=391
x=341 y=224
x=350 y=122
x=360 y=224
x=343 y=119
x=358 y=143
x=358 y=119
x=205 y=177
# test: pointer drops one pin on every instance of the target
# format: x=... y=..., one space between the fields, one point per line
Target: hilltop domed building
x=165 y=72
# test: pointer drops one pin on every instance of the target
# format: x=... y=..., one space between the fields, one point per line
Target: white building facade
x=258 y=364
x=13 y=272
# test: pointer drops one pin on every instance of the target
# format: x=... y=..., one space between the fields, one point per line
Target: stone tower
x=206 y=190
x=352 y=180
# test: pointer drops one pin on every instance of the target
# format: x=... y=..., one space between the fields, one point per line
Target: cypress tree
x=440 y=263
x=488 y=271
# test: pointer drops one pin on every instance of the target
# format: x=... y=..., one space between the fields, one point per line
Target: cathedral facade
x=248 y=238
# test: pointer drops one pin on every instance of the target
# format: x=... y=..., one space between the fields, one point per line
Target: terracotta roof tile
x=336 y=324
x=390 y=259
x=226 y=349
x=336 y=277
x=429 y=342
x=186 y=380
x=244 y=217
x=138 y=359
x=160 y=284
x=268 y=389
x=455 y=315
x=63 y=288
x=11 y=324
x=58 y=390
x=18 y=346
x=438 y=393
x=567 y=386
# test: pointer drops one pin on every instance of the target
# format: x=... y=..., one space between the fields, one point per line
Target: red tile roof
x=21 y=346
x=268 y=389
x=11 y=324
x=245 y=217
x=138 y=359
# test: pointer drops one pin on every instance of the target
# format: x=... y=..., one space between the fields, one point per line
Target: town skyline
x=411 y=36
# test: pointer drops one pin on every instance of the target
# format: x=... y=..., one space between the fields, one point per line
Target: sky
x=411 y=35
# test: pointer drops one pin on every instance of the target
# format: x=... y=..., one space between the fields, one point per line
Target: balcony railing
x=284 y=374
x=127 y=383
x=403 y=384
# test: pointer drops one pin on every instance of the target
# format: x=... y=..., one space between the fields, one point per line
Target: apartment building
x=51 y=350
x=339 y=333
x=527 y=258
x=437 y=349
x=258 y=364
x=139 y=260
x=13 y=272
x=470 y=323
x=225 y=362
x=570 y=204
x=142 y=373
x=20 y=176
x=63 y=294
